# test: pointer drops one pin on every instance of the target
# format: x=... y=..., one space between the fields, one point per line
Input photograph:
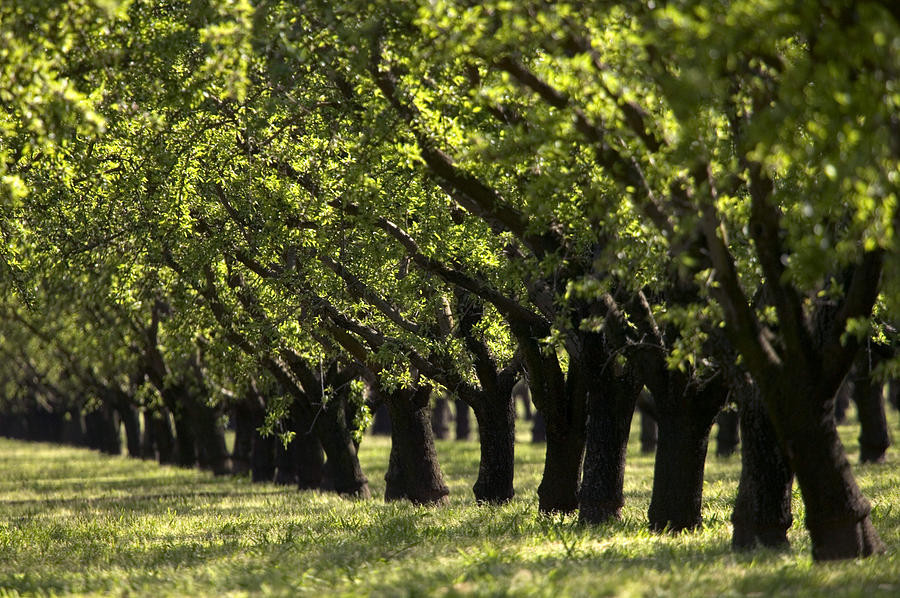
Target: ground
x=75 y=522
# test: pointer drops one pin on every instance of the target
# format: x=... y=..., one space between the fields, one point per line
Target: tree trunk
x=440 y=418
x=868 y=395
x=762 y=509
x=185 y=443
x=608 y=425
x=73 y=429
x=496 y=434
x=331 y=428
x=212 y=454
x=842 y=401
x=286 y=462
x=262 y=457
x=677 y=493
x=538 y=428
x=413 y=472
x=649 y=433
x=728 y=435
x=132 y=424
x=163 y=436
x=837 y=514
x=243 y=437
x=309 y=454
x=102 y=426
x=463 y=420
x=381 y=420
x=561 y=481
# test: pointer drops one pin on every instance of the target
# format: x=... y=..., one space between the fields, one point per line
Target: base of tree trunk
x=496 y=433
x=762 y=509
x=561 y=481
x=677 y=494
x=413 y=470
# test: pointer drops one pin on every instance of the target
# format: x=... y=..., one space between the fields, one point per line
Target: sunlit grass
x=73 y=521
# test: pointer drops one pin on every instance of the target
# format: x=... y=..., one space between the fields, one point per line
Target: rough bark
x=762 y=509
x=608 y=425
x=686 y=415
x=413 y=472
x=496 y=417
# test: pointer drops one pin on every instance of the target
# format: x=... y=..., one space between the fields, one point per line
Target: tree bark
x=496 y=419
x=677 y=494
x=762 y=509
x=608 y=426
x=649 y=433
x=868 y=395
x=413 y=472
x=728 y=435
x=440 y=418
x=837 y=514
x=463 y=420
x=331 y=428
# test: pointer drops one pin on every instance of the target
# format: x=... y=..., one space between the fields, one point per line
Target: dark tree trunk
x=163 y=436
x=334 y=434
x=132 y=423
x=309 y=454
x=496 y=417
x=440 y=418
x=538 y=428
x=102 y=426
x=649 y=433
x=73 y=429
x=728 y=435
x=287 y=461
x=381 y=420
x=837 y=514
x=212 y=453
x=558 y=490
x=762 y=509
x=842 y=401
x=609 y=421
x=262 y=457
x=413 y=472
x=463 y=420
x=522 y=393
x=678 y=471
x=243 y=437
x=868 y=395
x=185 y=442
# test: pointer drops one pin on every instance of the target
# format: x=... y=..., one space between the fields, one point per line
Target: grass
x=75 y=522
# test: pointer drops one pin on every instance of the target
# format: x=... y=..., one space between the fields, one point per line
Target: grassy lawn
x=75 y=522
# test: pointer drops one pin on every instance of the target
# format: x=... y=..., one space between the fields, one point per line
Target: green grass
x=75 y=522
